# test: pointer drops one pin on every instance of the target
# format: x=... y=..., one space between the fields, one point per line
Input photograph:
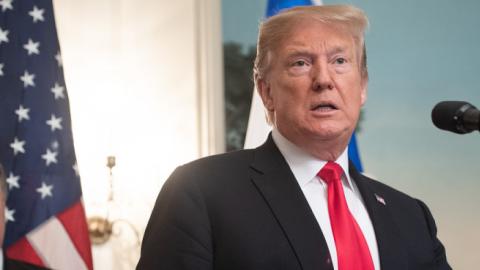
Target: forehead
x=312 y=34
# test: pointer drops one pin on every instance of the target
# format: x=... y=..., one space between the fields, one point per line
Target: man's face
x=314 y=85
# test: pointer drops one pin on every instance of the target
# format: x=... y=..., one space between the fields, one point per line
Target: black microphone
x=456 y=116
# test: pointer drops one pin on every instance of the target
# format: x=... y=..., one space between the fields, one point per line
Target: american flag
x=45 y=217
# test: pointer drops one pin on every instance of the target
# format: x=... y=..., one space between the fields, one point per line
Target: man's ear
x=264 y=90
x=363 y=94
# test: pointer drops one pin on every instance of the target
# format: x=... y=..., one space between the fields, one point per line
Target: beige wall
x=144 y=86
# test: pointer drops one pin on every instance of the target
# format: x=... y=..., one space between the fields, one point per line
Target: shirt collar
x=305 y=166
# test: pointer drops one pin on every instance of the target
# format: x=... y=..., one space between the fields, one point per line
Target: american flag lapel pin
x=380 y=199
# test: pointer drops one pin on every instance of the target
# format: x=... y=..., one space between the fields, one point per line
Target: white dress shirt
x=305 y=168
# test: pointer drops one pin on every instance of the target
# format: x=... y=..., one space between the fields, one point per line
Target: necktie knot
x=331 y=172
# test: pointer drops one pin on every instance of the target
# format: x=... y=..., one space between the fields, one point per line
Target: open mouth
x=324 y=107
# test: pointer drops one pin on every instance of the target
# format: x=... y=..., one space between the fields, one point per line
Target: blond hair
x=275 y=29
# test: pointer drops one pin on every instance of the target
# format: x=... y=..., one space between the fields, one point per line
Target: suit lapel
x=276 y=182
x=391 y=251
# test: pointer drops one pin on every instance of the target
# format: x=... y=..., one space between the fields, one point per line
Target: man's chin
x=330 y=134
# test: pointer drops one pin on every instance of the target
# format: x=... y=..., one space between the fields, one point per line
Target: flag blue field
x=45 y=218
x=274 y=6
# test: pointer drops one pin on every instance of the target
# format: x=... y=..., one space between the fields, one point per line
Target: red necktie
x=352 y=249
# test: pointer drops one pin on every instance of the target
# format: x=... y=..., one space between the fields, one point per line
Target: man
x=295 y=202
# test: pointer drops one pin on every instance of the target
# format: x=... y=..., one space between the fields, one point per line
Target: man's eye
x=340 y=60
x=300 y=63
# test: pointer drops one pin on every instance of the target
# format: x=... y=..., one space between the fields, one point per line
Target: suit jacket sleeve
x=178 y=235
x=440 y=255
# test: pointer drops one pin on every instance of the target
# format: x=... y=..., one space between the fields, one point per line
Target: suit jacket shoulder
x=405 y=229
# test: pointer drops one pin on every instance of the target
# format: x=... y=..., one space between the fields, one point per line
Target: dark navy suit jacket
x=245 y=210
x=10 y=264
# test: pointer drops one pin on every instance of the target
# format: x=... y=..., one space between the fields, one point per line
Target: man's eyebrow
x=292 y=52
x=336 y=49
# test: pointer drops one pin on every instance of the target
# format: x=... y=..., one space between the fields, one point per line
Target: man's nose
x=321 y=77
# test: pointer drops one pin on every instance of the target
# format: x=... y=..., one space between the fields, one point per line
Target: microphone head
x=448 y=115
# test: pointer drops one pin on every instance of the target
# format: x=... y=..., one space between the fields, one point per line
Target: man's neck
x=323 y=149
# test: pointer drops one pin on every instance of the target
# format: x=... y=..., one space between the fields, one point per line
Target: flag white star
x=12 y=181
x=32 y=47
x=1 y=69
x=9 y=214
x=22 y=113
x=3 y=35
x=57 y=90
x=37 y=14
x=50 y=157
x=45 y=190
x=75 y=168
x=58 y=57
x=17 y=146
x=6 y=4
x=27 y=79
x=55 y=123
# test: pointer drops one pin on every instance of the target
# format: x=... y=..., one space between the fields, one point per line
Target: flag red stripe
x=23 y=251
x=73 y=219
